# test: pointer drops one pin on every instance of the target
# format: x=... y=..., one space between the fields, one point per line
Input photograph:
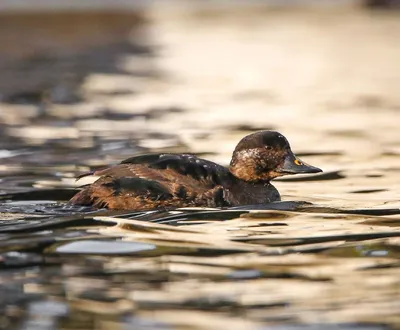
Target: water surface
x=326 y=257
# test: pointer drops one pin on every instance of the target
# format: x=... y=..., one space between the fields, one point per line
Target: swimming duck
x=184 y=180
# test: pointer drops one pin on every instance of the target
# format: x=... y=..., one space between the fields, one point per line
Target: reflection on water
x=326 y=257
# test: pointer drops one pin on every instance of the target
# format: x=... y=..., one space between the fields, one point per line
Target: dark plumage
x=181 y=180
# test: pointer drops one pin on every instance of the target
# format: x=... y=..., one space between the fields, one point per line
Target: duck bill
x=294 y=165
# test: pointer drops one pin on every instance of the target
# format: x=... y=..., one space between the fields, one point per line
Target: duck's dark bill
x=293 y=165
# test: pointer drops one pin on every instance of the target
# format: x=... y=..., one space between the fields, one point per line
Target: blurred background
x=199 y=74
x=84 y=84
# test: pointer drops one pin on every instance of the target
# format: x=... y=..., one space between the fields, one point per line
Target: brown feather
x=139 y=186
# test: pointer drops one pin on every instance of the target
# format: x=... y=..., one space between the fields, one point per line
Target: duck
x=167 y=180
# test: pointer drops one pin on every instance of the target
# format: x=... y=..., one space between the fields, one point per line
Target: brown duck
x=183 y=180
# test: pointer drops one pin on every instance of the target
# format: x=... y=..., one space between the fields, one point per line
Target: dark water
x=326 y=257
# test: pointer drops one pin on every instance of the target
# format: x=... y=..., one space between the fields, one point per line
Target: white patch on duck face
x=249 y=153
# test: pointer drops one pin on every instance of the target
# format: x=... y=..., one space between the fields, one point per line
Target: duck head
x=265 y=155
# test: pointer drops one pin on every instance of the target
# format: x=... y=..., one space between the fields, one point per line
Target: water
x=326 y=257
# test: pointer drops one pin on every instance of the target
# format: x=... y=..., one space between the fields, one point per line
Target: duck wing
x=157 y=180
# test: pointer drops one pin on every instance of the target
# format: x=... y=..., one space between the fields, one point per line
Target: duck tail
x=84 y=197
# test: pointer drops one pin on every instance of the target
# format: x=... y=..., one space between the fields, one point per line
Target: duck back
x=158 y=181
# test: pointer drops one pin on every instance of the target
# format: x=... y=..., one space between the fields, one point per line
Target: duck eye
x=297 y=162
